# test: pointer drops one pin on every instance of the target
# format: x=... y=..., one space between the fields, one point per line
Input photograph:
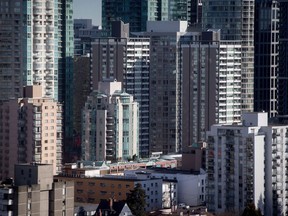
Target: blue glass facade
x=137 y=13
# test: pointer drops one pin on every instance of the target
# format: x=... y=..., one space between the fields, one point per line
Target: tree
x=135 y=157
x=251 y=210
x=81 y=211
x=136 y=200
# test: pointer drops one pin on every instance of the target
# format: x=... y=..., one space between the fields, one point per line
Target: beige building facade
x=34 y=192
x=32 y=131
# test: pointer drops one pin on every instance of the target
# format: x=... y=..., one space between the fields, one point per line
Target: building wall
x=210 y=74
x=266 y=56
x=35 y=193
x=8 y=152
x=126 y=60
x=61 y=198
x=198 y=103
x=110 y=124
x=108 y=60
x=38 y=62
x=33 y=130
x=275 y=175
x=138 y=13
x=236 y=21
x=6 y=201
x=163 y=90
x=34 y=174
x=283 y=72
x=92 y=190
x=193 y=158
x=82 y=82
x=239 y=156
x=137 y=84
x=169 y=194
x=190 y=188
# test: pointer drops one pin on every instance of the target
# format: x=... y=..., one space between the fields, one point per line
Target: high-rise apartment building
x=210 y=74
x=36 y=43
x=236 y=21
x=195 y=81
x=164 y=100
x=31 y=131
x=34 y=192
x=266 y=56
x=35 y=46
x=246 y=163
x=136 y=83
x=110 y=124
x=126 y=59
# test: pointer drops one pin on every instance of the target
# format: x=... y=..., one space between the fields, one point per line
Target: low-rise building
x=92 y=190
x=99 y=168
x=190 y=186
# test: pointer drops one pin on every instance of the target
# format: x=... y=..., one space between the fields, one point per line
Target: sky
x=88 y=9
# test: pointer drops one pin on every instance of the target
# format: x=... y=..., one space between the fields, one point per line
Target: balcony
x=49 y=5
x=49 y=28
x=7 y=202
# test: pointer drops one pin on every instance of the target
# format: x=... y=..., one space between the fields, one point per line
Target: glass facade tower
x=283 y=56
x=137 y=13
x=266 y=56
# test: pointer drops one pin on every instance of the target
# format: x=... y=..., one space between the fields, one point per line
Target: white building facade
x=110 y=128
x=246 y=163
x=190 y=188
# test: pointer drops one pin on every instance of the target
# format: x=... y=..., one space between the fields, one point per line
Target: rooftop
x=167 y=171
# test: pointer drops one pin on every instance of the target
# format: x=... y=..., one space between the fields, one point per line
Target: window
x=79 y=191
x=91 y=200
x=79 y=199
x=91 y=183
x=79 y=183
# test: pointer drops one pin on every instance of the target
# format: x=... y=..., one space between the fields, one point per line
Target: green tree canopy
x=136 y=200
